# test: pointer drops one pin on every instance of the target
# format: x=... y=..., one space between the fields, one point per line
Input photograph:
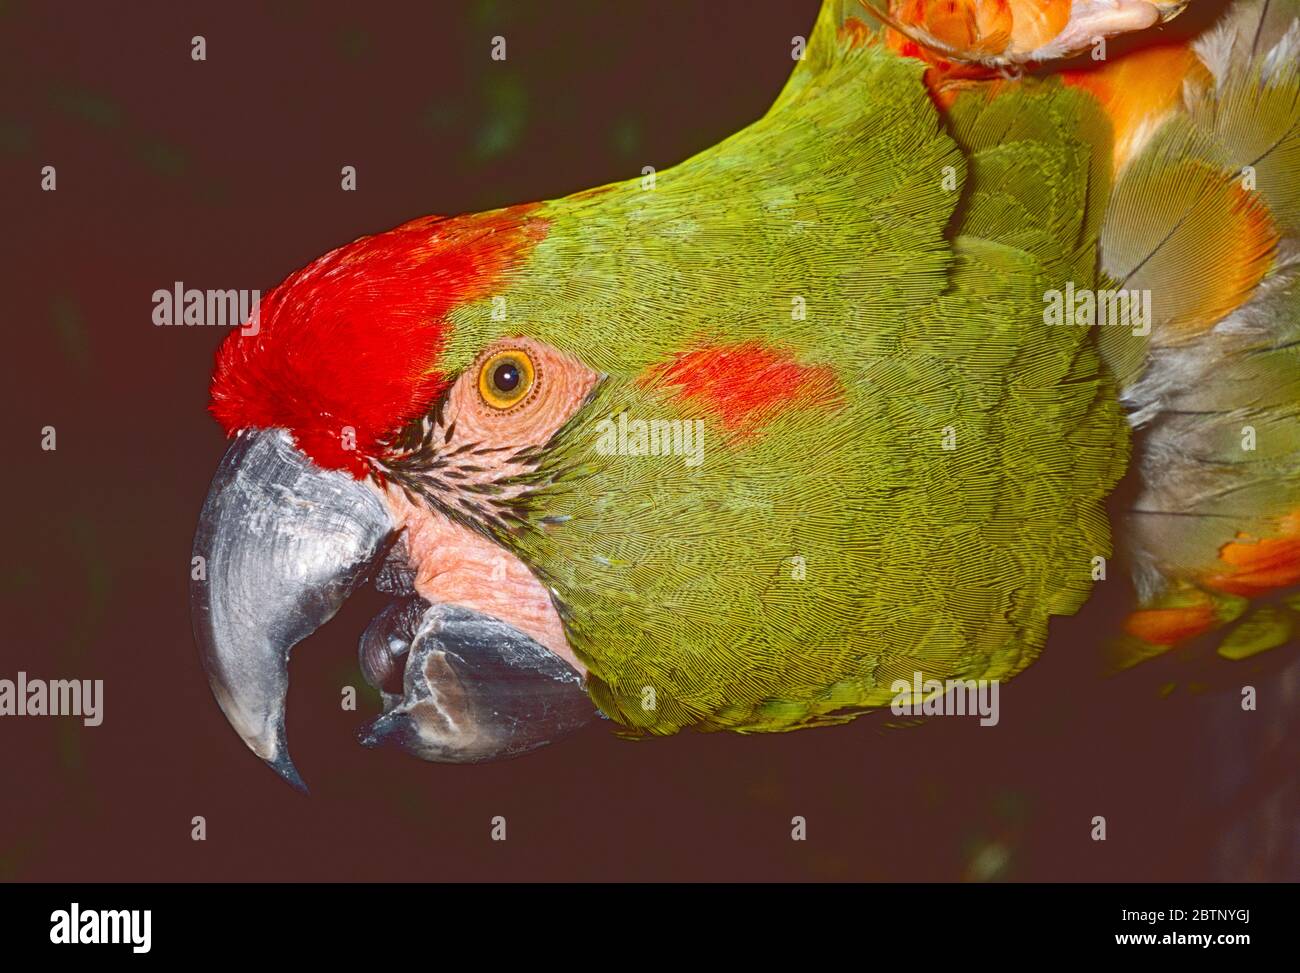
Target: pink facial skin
x=456 y=565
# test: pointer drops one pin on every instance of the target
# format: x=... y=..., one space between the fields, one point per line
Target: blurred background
x=225 y=174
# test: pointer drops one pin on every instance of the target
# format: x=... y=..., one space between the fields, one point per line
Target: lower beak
x=460 y=686
x=282 y=545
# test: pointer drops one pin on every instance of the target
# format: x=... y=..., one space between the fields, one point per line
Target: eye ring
x=506 y=378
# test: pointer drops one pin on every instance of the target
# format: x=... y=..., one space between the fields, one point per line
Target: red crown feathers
x=347 y=348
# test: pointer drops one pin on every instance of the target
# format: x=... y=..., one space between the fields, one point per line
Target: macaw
x=742 y=444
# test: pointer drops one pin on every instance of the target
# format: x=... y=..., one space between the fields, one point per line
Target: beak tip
x=382 y=731
x=285 y=768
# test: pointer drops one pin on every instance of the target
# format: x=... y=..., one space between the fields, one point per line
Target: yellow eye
x=506 y=378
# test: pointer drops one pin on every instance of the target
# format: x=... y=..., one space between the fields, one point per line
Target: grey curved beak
x=283 y=544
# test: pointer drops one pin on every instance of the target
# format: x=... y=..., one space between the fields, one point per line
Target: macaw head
x=419 y=408
x=357 y=446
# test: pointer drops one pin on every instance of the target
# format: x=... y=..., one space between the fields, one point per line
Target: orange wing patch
x=1139 y=89
x=1259 y=565
x=1169 y=626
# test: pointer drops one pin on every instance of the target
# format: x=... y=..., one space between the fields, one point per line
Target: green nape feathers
x=935 y=502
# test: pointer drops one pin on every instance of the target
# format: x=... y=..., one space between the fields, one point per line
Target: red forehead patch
x=745 y=385
x=347 y=348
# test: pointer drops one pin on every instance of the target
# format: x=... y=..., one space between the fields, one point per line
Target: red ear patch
x=745 y=385
x=347 y=348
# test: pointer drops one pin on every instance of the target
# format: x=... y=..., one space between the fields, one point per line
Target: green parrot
x=810 y=424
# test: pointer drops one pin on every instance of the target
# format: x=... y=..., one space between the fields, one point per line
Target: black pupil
x=506 y=376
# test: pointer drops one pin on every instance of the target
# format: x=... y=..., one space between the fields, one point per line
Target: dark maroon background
x=226 y=174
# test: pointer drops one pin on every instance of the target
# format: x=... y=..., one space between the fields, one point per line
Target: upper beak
x=283 y=543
